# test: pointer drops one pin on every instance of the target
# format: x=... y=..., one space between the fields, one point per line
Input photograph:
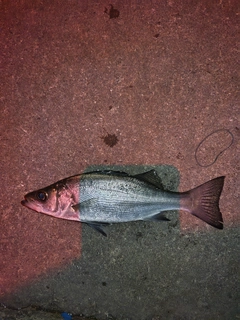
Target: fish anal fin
x=157 y=217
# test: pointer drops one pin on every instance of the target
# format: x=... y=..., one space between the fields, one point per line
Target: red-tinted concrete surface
x=133 y=83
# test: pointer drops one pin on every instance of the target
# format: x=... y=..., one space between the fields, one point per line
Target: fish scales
x=117 y=200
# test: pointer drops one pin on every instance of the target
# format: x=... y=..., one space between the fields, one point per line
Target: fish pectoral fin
x=85 y=204
x=90 y=204
x=157 y=217
x=151 y=177
x=97 y=227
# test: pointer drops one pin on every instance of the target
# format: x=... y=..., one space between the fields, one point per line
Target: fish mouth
x=23 y=202
x=31 y=204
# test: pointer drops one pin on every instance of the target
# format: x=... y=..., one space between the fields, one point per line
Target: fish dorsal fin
x=109 y=173
x=150 y=177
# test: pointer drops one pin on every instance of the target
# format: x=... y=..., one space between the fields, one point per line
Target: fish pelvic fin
x=203 y=202
x=98 y=227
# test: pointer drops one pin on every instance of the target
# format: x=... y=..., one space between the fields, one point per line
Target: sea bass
x=105 y=197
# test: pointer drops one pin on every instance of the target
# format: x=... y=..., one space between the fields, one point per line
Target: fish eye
x=42 y=196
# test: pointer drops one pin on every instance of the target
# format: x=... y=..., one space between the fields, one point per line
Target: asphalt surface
x=130 y=85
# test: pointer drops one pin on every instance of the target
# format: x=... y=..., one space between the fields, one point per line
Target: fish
x=100 y=198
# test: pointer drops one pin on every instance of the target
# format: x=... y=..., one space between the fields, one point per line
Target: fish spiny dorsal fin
x=150 y=177
x=109 y=173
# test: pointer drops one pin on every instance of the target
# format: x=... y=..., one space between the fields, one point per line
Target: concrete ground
x=132 y=84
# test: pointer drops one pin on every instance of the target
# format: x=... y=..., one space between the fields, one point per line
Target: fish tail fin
x=203 y=202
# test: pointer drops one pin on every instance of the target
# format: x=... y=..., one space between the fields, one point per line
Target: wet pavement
x=129 y=86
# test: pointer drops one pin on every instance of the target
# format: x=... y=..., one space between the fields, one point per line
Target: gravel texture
x=129 y=85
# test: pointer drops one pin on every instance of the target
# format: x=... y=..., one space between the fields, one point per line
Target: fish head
x=43 y=200
x=56 y=200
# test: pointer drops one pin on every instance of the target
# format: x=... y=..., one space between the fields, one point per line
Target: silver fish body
x=99 y=198
x=116 y=198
